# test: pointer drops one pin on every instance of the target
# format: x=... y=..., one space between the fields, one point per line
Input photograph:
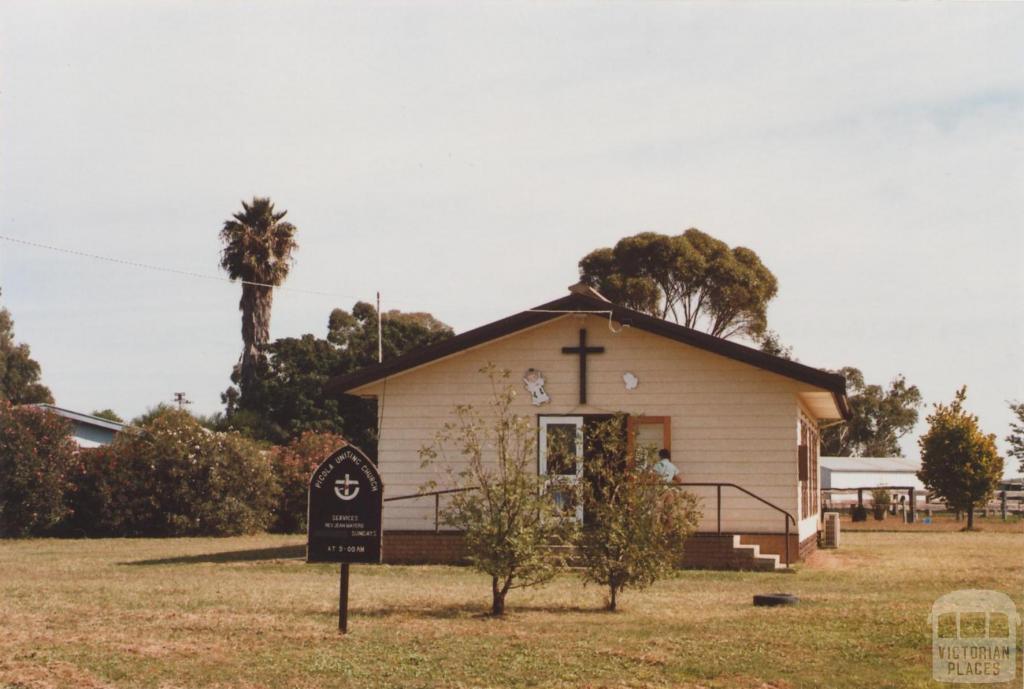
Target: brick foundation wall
x=711 y=551
x=447 y=548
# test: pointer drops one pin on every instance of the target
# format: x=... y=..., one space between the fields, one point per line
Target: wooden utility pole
x=380 y=333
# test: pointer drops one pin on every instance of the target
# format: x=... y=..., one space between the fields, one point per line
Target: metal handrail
x=788 y=517
x=437 y=501
x=436 y=494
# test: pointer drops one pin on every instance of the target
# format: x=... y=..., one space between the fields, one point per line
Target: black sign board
x=345 y=501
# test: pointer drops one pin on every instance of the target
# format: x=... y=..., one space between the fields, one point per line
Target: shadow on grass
x=286 y=552
x=470 y=610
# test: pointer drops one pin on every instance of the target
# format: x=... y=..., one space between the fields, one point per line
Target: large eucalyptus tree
x=697 y=280
x=258 y=246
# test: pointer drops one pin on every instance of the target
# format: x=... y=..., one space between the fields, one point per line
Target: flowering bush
x=36 y=452
x=293 y=464
x=172 y=477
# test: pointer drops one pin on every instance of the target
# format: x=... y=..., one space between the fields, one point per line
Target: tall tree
x=19 y=372
x=287 y=399
x=959 y=462
x=696 y=279
x=356 y=333
x=772 y=344
x=258 y=247
x=881 y=416
x=1016 y=437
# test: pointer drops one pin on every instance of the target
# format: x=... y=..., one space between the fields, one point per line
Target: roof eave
x=575 y=302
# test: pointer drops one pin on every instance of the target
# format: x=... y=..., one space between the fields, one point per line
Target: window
x=646 y=432
x=807 y=463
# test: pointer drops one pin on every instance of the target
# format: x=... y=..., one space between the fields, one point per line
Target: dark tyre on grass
x=771 y=600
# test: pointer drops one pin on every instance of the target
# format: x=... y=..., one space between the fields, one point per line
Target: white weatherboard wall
x=731 y=422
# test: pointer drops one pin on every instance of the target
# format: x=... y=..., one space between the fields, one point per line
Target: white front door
x=561 y=459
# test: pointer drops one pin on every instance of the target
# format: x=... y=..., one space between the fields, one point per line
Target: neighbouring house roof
x=585 y=299
x=873 y=465
x=87 y=419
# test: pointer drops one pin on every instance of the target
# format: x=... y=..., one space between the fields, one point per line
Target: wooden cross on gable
x=583 y=350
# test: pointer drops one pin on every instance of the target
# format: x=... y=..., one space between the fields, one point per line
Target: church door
x=561 y=459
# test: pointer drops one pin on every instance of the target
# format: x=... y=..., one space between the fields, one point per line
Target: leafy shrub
x=636 y=523
x=36 y=453
x=91 y=495
x=172 y=477
x=293 y=464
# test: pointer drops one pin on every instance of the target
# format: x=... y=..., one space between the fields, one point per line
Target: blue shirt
x=666 y=469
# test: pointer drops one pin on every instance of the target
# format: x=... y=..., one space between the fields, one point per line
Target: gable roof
x=580 y=300
x=87 y=419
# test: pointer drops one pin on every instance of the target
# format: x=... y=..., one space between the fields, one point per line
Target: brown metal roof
x=575 y=302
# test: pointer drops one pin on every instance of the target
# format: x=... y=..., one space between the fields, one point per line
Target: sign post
x=345 y=502
x=343 y=600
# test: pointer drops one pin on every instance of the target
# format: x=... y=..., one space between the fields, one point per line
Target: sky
x=462 y=157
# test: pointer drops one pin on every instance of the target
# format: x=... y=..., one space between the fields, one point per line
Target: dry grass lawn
x=248 y=613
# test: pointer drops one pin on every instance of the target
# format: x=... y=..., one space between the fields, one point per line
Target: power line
x=164 y=269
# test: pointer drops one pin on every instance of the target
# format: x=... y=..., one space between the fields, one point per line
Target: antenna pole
x=380 y=330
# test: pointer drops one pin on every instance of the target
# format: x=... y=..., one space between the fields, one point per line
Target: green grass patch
x=248 y=613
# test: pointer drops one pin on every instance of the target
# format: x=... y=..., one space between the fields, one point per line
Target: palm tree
x=257 y=251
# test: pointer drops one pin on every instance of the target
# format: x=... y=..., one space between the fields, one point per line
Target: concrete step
x=763 y=560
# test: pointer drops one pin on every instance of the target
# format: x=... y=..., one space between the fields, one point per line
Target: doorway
x=560 y=446
x=564 y=445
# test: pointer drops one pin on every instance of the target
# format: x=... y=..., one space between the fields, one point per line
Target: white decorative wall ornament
x=630 y=380
x=533 y=381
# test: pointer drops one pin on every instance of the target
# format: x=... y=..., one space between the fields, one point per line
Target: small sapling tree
x=509 y=519
x=635 y=523
x=958 y=462
x=881 y=498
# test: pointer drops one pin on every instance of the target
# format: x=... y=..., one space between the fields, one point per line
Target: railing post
x=787 y=540
x=719 y=487
x=437 y=512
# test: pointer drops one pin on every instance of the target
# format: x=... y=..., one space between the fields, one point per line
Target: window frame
x=632 y=426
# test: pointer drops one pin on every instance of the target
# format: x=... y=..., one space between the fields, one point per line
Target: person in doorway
x=665 y=468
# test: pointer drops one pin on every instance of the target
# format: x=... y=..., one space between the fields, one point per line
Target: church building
x=740 y=425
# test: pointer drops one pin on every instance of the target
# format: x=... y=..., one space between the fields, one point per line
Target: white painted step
x=755 y=553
